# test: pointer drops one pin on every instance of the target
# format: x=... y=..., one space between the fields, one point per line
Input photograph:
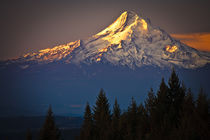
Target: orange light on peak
x=144 y=24
x=45 y=50
x=103 y=49
x=171 y=49
x=26 y=55
x=98 y=59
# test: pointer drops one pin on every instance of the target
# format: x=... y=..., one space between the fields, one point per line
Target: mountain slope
x=130 y=41
x=126 y=59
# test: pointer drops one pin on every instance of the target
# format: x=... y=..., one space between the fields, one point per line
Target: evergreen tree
x=202 y=114
x=163 y=101
x=6 y=138
x=187 y=128
x=176 y=97
x=189 y=105
x=150 y=105
x=161 y=113
x=28 y=135
x=132 y=121
x=176 y=91
x=142 y=122
x=202 y=105
x=87 y=127
x=101 y=117
x=150 y=102
x=116 y=135
x=49 y=131
x=174 y=85
x=123 y=125
x=171 y=114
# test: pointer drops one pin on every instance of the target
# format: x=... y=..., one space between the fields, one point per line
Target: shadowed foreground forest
x=171 y=113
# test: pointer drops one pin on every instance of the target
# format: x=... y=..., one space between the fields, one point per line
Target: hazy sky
x=30 y=25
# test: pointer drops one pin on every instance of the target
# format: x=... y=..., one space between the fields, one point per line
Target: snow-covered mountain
x=126 y=59
x=130 y=41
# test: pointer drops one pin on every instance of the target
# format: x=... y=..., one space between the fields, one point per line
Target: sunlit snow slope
x=130 y=41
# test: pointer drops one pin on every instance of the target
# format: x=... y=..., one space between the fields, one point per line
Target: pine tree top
x=49 y=131
x=174 y=82
x=88 y=114
x=101 y=109
x=116 y=110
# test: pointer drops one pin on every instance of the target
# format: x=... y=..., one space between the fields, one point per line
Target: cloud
x=200 y=41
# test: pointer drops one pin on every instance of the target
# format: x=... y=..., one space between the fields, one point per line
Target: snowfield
x=130 y=41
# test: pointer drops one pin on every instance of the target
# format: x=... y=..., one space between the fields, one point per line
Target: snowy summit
x=130 y=41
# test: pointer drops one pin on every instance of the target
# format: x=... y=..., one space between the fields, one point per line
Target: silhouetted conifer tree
x=174 y=85
x=176 y=97
x=172 y=114
x=132 y=121
x=150 y=102
x=161 y=113
x=115 y=131
x=6 y=138
x=202 y=105
x=28 y=135
x=189 y=105
x=163 y=101
x=143 y=123
x=87 y=127
x=49 y=131
x=150 y=105
x=101 y=117
x=187 y=128
x=123 y=125
x=203 y=116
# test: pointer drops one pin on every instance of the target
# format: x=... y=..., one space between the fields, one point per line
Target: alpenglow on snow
x=130 y=41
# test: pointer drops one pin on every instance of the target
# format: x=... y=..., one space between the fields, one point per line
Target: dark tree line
x=49 y=130
x=172 y=113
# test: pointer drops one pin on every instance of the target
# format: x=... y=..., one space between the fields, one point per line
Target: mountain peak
x=126 y=25
x=129 y=14
x=126 y=19
x=129 y=41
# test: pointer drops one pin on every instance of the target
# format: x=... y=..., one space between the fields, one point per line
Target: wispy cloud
x=200 y=41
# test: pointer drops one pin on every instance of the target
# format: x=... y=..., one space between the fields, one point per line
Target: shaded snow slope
x=130 y=41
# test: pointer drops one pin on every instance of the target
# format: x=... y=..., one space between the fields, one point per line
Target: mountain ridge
x=129 y=41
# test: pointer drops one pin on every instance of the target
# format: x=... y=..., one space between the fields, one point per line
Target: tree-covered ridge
x=172 y=113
